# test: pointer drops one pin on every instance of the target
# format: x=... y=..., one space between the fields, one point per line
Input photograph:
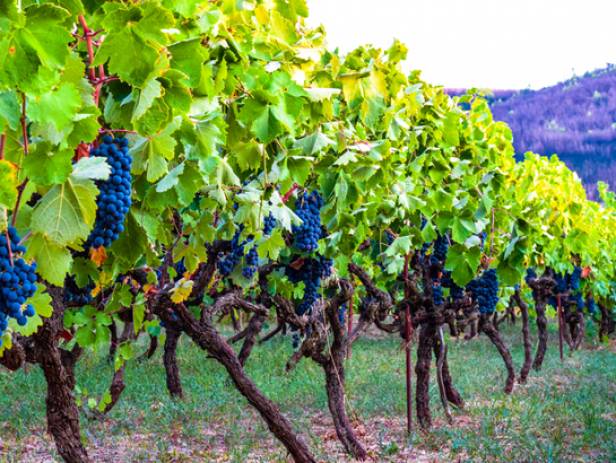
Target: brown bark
x=542 y=289
x=335 y=377
x=330 y=356
x=440 y=352
x=422 y=370
x=252 y=331
x=492 y=333
x=117 y=383
x=172 y=371
x=581 y=331
x=542 y=329
x=62 y=411
x=152 y=347
x=452 y=394
x=113 y=345
x=334 y=380
x=206 y=337
x=525 y=337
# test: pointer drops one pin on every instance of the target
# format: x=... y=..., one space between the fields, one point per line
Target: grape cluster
x=439 y=250
x=269 y=223
x=17 y=281
x=76 y=296
x=455 y=291
x=228 y=261
x=568 y=281
x=482 y=238
x=311 y=272
x=251 y=262
x=114 y=199
x=484 y=291
x=437 y=294
x=307 y=235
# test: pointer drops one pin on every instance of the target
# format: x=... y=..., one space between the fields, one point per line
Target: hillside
x=575 y=119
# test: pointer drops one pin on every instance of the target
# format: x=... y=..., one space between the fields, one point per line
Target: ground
x=567 y=412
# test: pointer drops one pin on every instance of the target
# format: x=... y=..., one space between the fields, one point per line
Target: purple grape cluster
x=76 y=296
x=17 y=281
x=312 y=271
x=437 y=295
x=114 y=199
x=455 y=291
x=484 y=291
x=269 y=223
x=307 y=235
x=439 y=250
x=227 y=262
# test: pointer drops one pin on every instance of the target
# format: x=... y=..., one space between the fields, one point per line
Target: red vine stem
x=24 y=126
x=288 y=194
x=116 y=131
x=88 y=38
x=2 y=145
x=101 y=78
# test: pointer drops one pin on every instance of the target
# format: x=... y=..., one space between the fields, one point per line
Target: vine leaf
x=181 y=291
x=56 y=108
x=45 y=165
x=66 y=213
x=53 y=261
x=93 y=168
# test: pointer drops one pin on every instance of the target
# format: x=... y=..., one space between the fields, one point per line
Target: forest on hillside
x=574 y=119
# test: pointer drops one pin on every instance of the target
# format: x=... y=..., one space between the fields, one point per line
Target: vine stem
x=88 y=38
x=2 y=145
x=560 y=326
x=288 y=194
x=101 y=131
x=22 y=185
x=407 y=347
x=350 y=327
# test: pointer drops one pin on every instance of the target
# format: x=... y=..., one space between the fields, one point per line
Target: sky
x=506 y=44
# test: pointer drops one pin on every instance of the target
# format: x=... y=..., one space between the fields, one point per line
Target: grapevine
x=17 y=281
x=114 y=199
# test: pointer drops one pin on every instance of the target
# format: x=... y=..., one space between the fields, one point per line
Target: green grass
x=567 y=412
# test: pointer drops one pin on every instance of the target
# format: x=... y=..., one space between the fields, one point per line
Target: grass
x=567 y=412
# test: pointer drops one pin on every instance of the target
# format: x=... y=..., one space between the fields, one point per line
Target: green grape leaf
x=462 y=263
x=56 y=108
x=93 y=168
x=66 y=213
x=46 y=166
x=53 y=261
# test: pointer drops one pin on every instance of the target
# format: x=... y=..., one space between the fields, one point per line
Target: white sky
x=480 y=43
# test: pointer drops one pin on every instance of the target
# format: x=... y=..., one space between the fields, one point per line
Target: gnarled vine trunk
x=542 y=331
x=492 y=333
x=206 y=337
x=334 y=380
x=62 y=411
x=172 y=371
x=452 y=394
x=422 y=370
x=528 y=359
